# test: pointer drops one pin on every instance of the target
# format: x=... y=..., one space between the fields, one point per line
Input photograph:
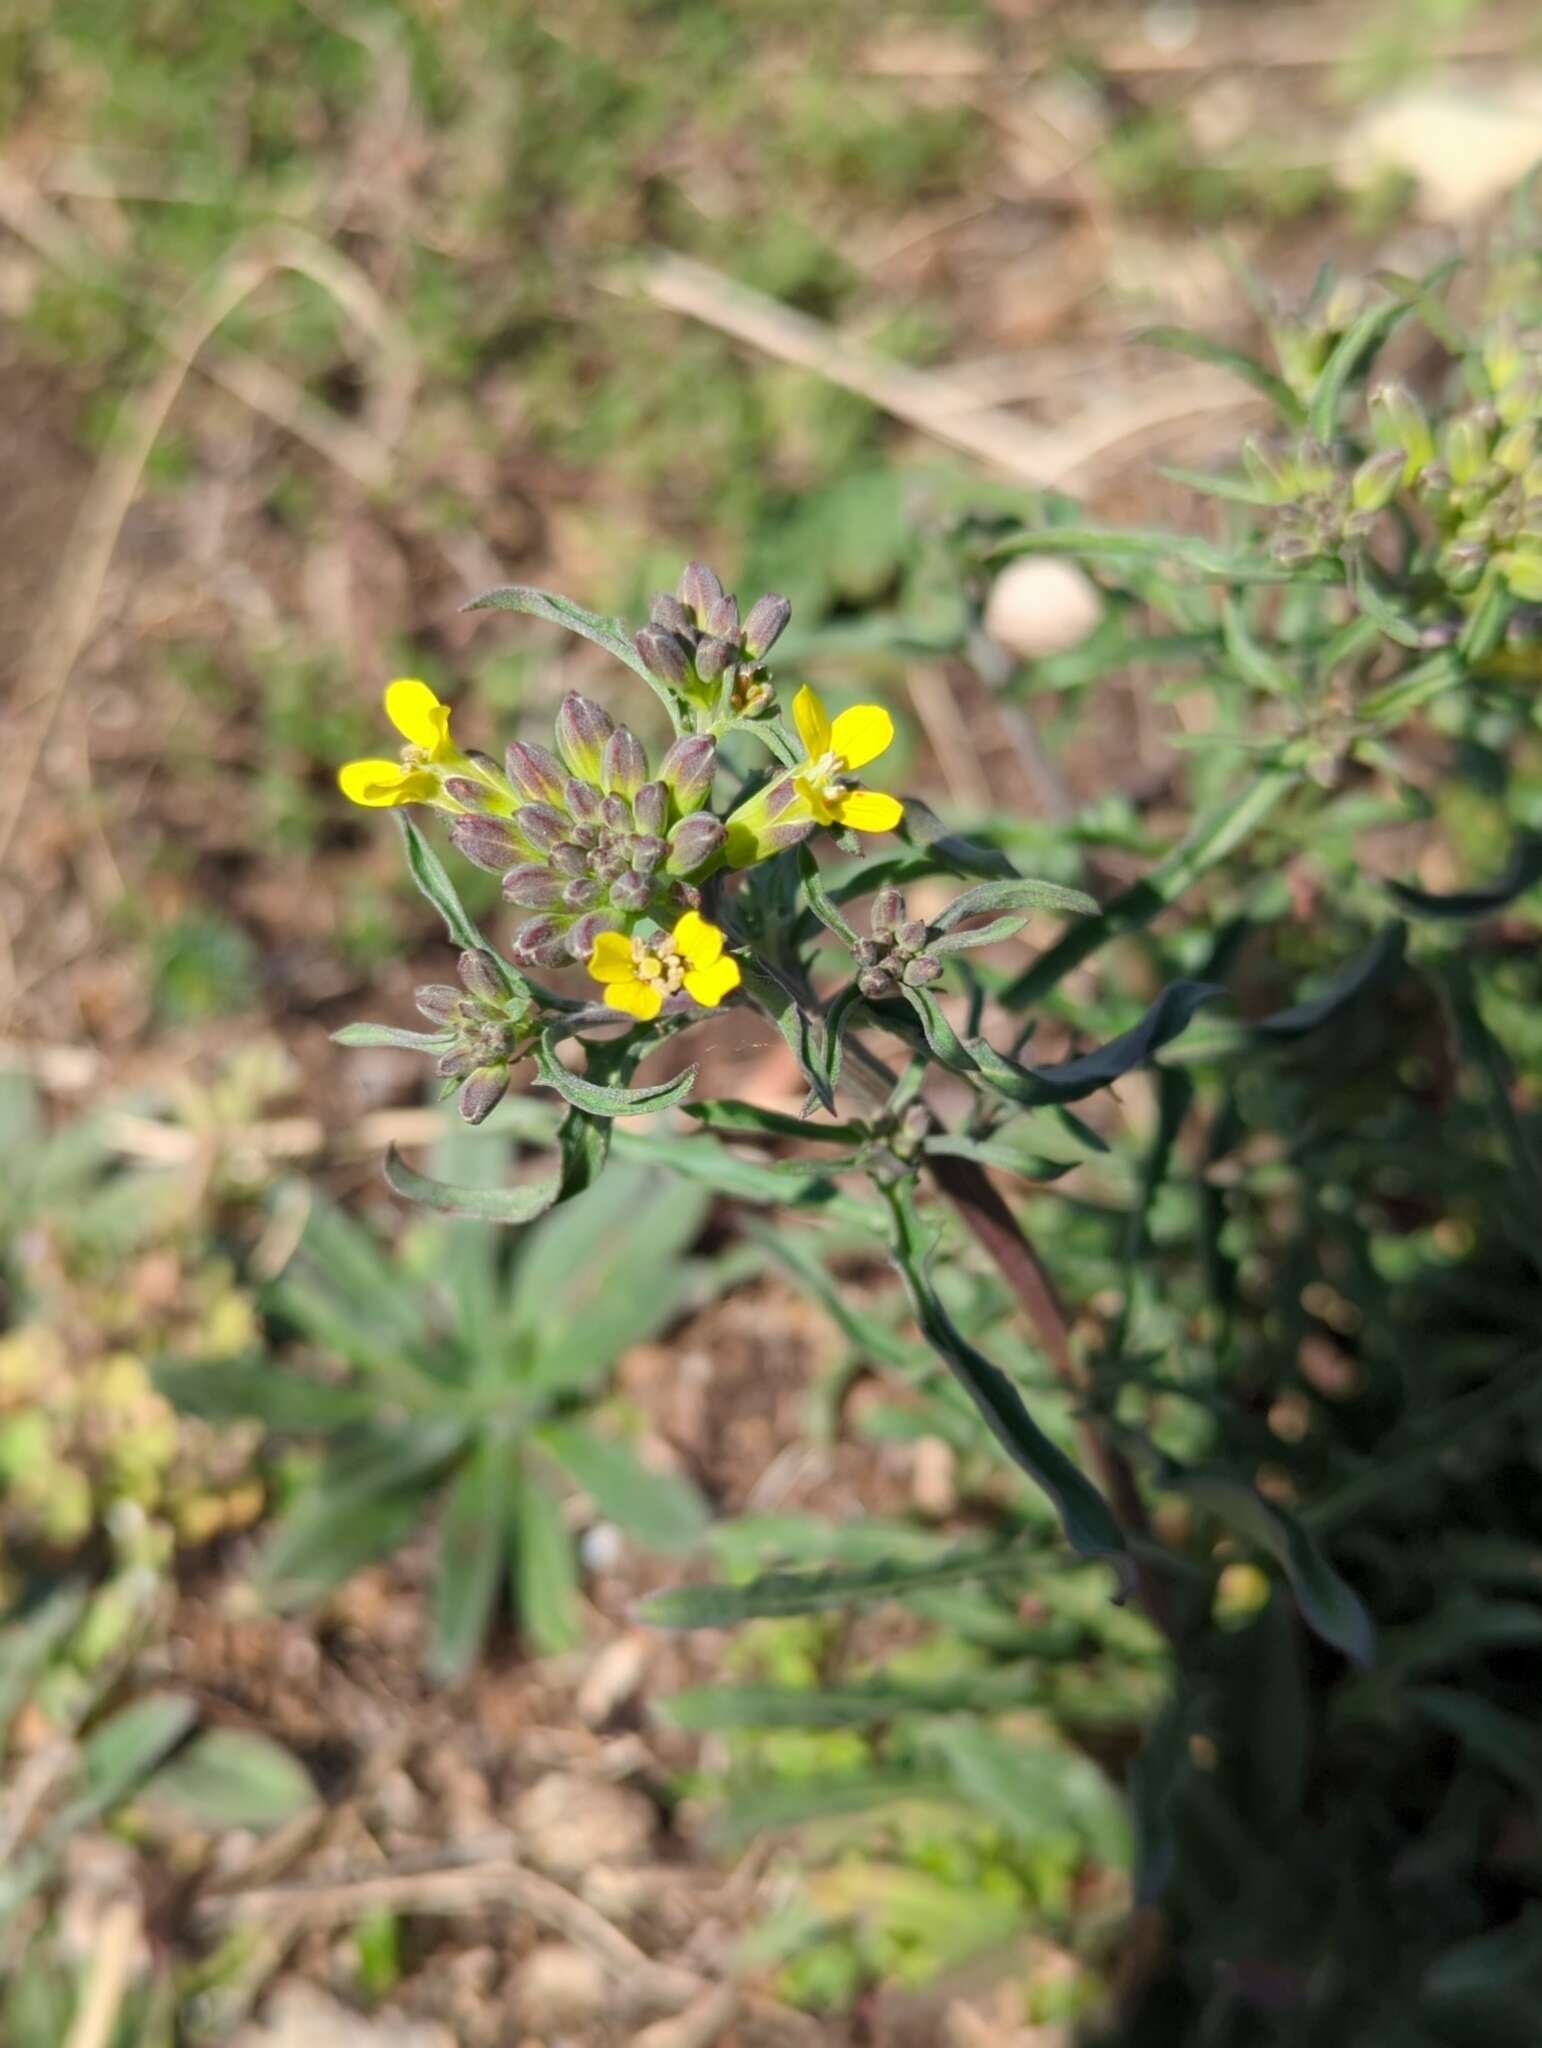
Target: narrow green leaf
x=545 y=1572
x=1328 y=1605
x=393 y=1035
x=820 y=901
x=469 y=1559
x=1072 y=1080
x=1504 y=1958
x=235 y=1778
x=1379 y=961
x=1206 y=350
x=521 y=1204
x=939 y=1033
x=1036 y=1790
x=1022 y=894
x=1354 y=348
x=783 y=1593
x=1523 y=872
x=28 y=1642
x=858 y=1705
x=802 y=1030
x=591 y=626
x=428 y=872
x=285 y=1402
x=597 y=1099
x=743 y=1119
x=659 y=1509
x=123 y=1750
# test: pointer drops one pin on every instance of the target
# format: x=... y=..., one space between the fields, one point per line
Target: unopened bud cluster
x=696 y=642
x=895 y=956
x=595 y=839
x=1322 y=506
x=485 y=1024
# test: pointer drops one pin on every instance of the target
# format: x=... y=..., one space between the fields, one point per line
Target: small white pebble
x=1041 y=606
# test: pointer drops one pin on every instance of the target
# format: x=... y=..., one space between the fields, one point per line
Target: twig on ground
x=112 y=1960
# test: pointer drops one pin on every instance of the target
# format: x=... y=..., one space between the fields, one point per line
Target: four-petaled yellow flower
x=424 y=723
x=638 y=973
x=819 y=790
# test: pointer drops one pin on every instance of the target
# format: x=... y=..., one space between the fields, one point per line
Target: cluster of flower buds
x=594 y=839
x=484 y=1024
x=1480 y=480
x=895 y=956
x=1304 y=337
x=696 y=642
x=1322 y=507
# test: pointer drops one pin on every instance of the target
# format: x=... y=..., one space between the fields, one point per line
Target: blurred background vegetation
x=317 y=319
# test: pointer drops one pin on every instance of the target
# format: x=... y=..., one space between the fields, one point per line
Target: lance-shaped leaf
x=1523 y=872
x=1023 y=894
x=1086 y=1517
x=1328 y=1605
x=803 y=1031
x=743 y=1119
x=1200 y=346
x=561 y=611
x=428 y=872
x=922 y=827
x=1358 y=343
x=1379 y=960
x=1071 y=1080
x=519 y=1204
x=394 y=1036
x=597 y=1098
x=820 y=901
x=777 y=1594
x=940 y=1035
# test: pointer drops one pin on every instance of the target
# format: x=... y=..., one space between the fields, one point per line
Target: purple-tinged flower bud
x=583 y=800
x=532 y=887
x=460 y=1059
x=543 y=827
x=570 y=860
x=765 y=624
x=474 y=795
x=483 y=1091
x=671 y=614
x=624 y=767
x=648 y=849
x=585 y=835
x=888 y=910
x=876 y=983
x=540 y=942
x=486 y=842
x=616 y=814
x=922 y=971
x=722 y=620
x=700 y=589
x=581 y=936
x=631 y=892
x=910 y=936
x=483 y=761
x=687 y=769
x=663 y=653
x=753 y=699
x=869 y=953
x=582 y=894
x=583 y=727
x=713 y=656
x=693 y=842
x=610 y=860
x=479 y=972
x=535 y=773
x=437 y=1001
x=650 y=808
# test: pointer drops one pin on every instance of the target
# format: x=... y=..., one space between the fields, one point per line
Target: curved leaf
x=1380 y=959
x=1023 y=894
x=1328 y=1605
x=777 y=1594
x=591 y=626
x=659 y=1509
x=1069 y=1081
x=428 y=872
x=521 y=1204
x=596 y=1098
x=1523 y=873
x=392 y=1035
x=1248 y=368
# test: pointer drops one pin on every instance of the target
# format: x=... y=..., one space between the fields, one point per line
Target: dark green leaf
x=922 y=827
x=119 y=1753
x=820 y=901
x=847 y=1706
x=1507 y=1956
x=1328 y=1605
x=1073 y=1079
x=802 y=1030
x=743 y=1119
x=1523 y=873
x=284 y=1401
x=428 y=872
x=784 y=1593
x=1378 y=962
x=1022 y=894
x=521 y=1204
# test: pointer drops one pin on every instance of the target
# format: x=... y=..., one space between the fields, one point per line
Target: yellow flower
x=639 y=973
x=818 y=791
x=424 y=723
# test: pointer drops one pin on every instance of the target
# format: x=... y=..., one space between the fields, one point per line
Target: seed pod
x=713 y=656
x=671 y=614
x=535 y=773
x=888 y=910
x=922 y=971
x=664 y=653
x=540 y=943
x=583 y=727
x=437 y=1001
x=486 y=842
x=650 y=808
x=687 y=770
x=631 y=892
x=581 y=937
x=532 y=887
x=570 y=860
x=700 y=590
x=693 y=842
x=624 y=766
x=766 y=623
x=479 y=972
x=483 y=1091
x=723 y=619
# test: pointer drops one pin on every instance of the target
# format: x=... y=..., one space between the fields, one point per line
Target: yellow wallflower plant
x=639 y=972
x=819 y=789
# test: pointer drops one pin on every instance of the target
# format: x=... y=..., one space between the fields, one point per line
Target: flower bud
x=536 y=774
x=1465 y=450
x=722 y=619
x=631 y=892
x=712 y=657
x=922 y=971
x=583 y=727
x=693 y=842
x=687 y=770
x=765 y=624
x=542 y=826
x=582 y=894
x=486 y=842
x=616 y=814
x=437 y=1001
x=1376 y=480
x=532 y=886
x=700 y=589
x=869 y=953
x=663 y=653
x=465 y=790
x=570 y=860
x=458 y=1060
x=648 y=849
x=624 y=767
x=671 y=614
x=479 y=973
x=1516 y=448
x=888 y=910
x=910 y=936
x=540 y=943
x=876 y=983
x=483 y=1091
x=583 y=800
x=581 y=937
x=650 y=808
x=1398 y=421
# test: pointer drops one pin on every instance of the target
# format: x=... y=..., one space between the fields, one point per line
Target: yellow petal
x=869 y=810
x=418 y=714
x=611 y=958
x=700 y=943
x=709 y=985
x=812 y=721
x=378 y=783
x=861 y=734
x=640 y=999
